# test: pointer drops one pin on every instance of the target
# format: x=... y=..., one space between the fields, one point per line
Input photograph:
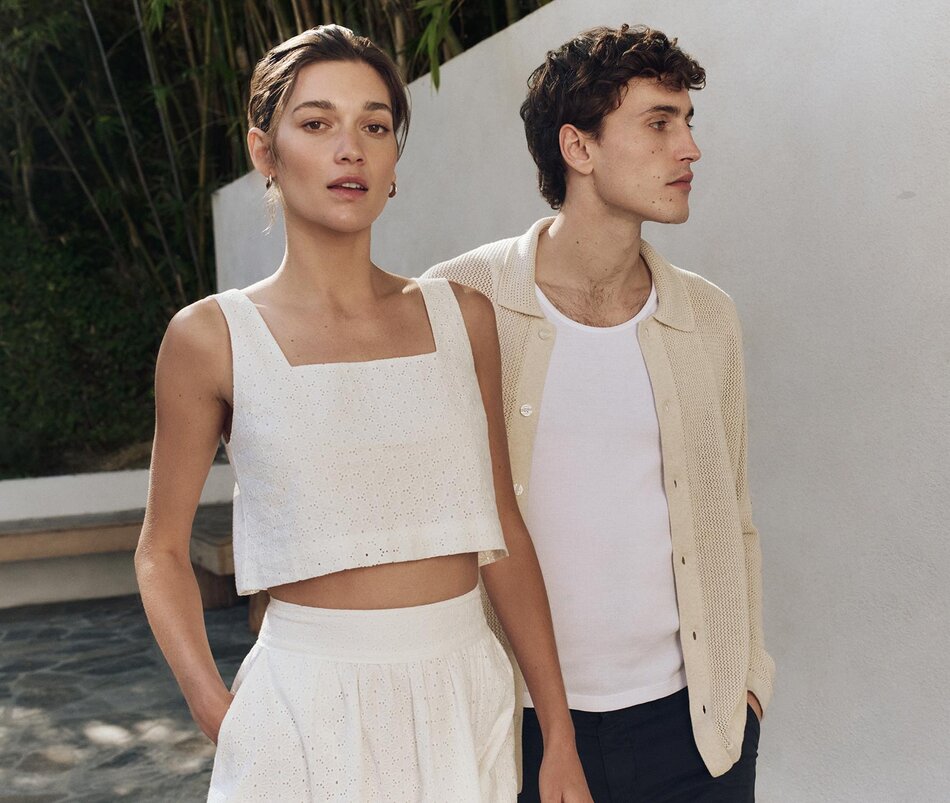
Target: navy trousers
x=645 y=753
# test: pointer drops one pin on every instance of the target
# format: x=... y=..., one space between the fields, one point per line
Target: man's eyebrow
x=664 y=109
x=370 y=106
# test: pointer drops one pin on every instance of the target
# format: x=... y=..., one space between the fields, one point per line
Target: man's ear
x=574 y=149
x=262 y=154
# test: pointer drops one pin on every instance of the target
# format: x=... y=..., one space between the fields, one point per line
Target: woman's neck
x=331 y=264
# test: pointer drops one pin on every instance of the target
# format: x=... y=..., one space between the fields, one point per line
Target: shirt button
x=519 y=489
x=544 y=333
x=666 y=406
x=526 y=409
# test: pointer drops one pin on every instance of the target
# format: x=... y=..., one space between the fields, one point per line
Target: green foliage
x=76 y=357
x=121 y=118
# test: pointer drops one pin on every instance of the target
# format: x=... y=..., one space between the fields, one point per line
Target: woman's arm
x=514 y=585
x=192 y=375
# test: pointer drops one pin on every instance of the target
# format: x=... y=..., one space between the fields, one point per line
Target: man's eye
x=659 y=125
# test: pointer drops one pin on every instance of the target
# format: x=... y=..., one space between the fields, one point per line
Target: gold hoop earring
x=392 y=190
x=269 y=182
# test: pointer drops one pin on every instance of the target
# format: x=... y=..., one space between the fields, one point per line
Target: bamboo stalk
x=93 y=151
x=134 y=154
x=169 y=149
x=203 y=135
x=397 y=26
x=260 y=29
x=234 y=98
x=189 y=49
x=308 y=18
x=279 y=21
x=61 y=147
x=451 y=42
x=298 y=16
x=26 y=175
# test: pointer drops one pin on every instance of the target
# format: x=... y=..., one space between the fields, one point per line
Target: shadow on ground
x=89 y=711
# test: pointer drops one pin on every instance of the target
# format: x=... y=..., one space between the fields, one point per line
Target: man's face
x=642 y=159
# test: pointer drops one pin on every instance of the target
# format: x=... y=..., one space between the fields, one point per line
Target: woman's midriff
x=389 y=585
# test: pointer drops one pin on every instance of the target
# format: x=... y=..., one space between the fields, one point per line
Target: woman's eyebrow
x=316 y=104
x=369 y=106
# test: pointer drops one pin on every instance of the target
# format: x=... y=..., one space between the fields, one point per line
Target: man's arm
x=761 y=669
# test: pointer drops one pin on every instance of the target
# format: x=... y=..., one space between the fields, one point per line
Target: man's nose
x=691 y=151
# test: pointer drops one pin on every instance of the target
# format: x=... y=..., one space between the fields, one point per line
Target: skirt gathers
x=401 y=704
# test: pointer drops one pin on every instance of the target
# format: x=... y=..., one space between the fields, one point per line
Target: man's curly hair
x=584 y=80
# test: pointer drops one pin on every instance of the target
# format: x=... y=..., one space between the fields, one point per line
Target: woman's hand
x=211 y=714
x=561 y=779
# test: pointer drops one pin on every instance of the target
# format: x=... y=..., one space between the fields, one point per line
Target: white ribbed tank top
x=342 y=465
x=600 y=520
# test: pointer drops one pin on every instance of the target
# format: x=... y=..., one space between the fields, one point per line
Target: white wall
x=822 y=205
x=109 y=574
x=94 y=492
x=247 y=244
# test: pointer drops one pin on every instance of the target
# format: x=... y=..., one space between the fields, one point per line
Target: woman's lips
x=348 y=187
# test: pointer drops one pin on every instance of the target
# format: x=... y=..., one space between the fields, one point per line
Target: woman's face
x=336 y=147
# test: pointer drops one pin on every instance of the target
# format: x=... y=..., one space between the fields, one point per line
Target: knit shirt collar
x=516 y=281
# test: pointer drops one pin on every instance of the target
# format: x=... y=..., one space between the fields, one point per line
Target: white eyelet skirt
x=401 y=704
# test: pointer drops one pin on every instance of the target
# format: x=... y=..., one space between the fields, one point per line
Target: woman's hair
x=272 y=82
x=584 y=80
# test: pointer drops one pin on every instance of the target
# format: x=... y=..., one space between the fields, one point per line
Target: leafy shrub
x=77 y=353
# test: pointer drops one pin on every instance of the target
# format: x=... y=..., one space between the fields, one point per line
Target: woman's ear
x=262 y=154
x=574 y=150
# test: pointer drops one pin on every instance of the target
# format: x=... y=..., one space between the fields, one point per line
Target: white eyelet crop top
x=341 y=465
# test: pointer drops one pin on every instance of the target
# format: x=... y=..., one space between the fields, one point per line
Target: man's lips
x=683 y=181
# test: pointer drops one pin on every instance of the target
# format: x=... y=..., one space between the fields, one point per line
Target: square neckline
x=266 y=331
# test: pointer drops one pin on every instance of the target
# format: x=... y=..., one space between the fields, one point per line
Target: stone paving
x=89 y=711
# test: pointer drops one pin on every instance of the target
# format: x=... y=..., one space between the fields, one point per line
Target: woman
x=363 y=419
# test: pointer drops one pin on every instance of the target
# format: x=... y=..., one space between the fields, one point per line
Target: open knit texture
x=692 y=347
x=349 y=464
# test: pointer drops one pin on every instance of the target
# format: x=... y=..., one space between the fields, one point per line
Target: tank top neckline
x=274 y=346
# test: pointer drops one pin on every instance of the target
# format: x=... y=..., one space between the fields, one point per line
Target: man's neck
x=589 y=266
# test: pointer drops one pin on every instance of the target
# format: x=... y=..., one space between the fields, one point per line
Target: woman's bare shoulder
x=197 y=338
x=477 y=310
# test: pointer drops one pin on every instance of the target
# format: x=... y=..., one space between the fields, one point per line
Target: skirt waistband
x=388 y=635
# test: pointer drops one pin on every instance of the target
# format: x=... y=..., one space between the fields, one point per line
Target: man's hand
x=561 y=778
x=754 y=702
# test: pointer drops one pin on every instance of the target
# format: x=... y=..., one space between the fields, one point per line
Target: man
x=625 y=406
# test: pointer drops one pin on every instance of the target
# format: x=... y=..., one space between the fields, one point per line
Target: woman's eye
x=377 y=128
x=314 y=125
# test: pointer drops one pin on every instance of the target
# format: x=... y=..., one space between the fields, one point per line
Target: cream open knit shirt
x=692 y=347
